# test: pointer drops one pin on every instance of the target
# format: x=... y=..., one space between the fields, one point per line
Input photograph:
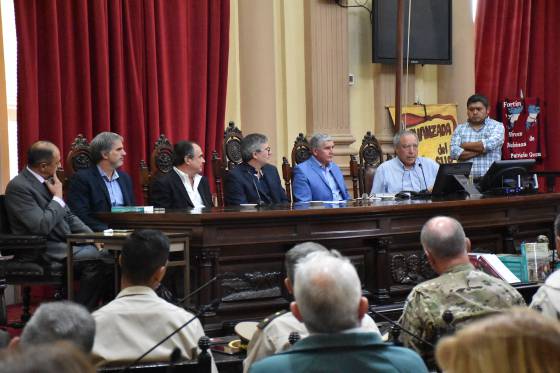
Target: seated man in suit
x=273 y=332
x=100 y=187
x=319 y=178
x=184 y=187
x=328 y=299
x=407 y=172
x=254 y=180
x=35 y=206
x=138 y=319
x=460 y=288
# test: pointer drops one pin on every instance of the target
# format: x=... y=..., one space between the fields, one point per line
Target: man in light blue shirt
x=479 y=140
x=407 y=172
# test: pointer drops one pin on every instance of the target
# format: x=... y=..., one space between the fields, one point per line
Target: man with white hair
x=319 y=178
x=272 y=335
x=328 y=299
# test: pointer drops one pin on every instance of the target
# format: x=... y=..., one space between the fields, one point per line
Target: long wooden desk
x=246 y=247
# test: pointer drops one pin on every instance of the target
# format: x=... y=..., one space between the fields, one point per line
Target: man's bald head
x=443 y=237
x=41 y=152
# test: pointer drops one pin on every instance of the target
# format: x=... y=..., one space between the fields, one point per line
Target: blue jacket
x=88 y=194
x=342 y=352
x=241 y=186
x=310 y=183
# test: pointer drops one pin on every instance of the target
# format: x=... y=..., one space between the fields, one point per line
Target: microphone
x=261 y=202
x=423 y=175
x=199 y=289
x=212 y=305
x=400 y=327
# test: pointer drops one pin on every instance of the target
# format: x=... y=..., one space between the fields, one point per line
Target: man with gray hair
x=59 y=321
x=328 y=299
x=255 y=181
x=101 y=187
x=460 y=288
x=407 y=172
x=274 y=331
x=319 y=178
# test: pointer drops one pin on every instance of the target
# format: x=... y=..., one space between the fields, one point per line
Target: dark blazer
x=343 y=352
x=88 y=194
x=240 y=186
x=32 y=210
x=167 y=191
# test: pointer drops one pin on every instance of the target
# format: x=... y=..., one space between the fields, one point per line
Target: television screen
x=430 y=31
x=504 y=174
x=446 y=183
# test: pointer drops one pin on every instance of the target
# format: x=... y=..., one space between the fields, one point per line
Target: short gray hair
x=318 y=139
x=297 y=253
x=58 y=321
x=398 y=135
x=101 y=144
x=250 y=144
x=327 y=292
x=444 y=237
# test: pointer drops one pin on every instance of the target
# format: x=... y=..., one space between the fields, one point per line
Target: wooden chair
x=231 y=157
x=21 y=264
x=362 y=173
x=161 y=162
x=78 y=158
x=300 y=153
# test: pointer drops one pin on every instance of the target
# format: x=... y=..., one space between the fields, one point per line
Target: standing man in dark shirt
x=101 y=187
x=254 y=180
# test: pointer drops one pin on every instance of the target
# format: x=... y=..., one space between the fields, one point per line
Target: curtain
x=518 y=48
x=136 y=67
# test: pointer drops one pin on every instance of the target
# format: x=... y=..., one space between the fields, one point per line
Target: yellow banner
x=434 y=125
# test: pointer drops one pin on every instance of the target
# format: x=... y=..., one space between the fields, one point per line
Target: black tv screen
x=430 y=31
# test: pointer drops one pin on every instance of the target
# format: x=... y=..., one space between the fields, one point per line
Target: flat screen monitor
x=451 y=178
x=430 y=31
x=504 y=174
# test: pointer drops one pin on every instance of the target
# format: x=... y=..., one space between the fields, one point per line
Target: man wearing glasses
x=407 y=172
x=254 y=181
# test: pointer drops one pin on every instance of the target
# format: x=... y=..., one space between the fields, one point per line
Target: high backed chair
x=161 y=162
x=22 y=264
x=300 y=153
x=78 y=158
x=231 y=157
x=362 y=173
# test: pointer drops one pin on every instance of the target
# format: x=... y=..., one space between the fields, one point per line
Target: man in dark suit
x=329 y=301
x=184 y=187
x=254 y=180
x=319 y=178
x=100 y=187
x=35 y=206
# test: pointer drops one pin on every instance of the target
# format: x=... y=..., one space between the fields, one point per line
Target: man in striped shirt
x=480 y=139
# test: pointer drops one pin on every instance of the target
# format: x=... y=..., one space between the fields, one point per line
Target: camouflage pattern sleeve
x=416 y=318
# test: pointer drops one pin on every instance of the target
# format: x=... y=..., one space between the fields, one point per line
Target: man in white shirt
x=184 y=187
x=138 y=319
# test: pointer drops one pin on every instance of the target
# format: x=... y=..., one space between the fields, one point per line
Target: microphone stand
x=198 y=290
x=423 y=175
x=203 y=309
x=400 y=327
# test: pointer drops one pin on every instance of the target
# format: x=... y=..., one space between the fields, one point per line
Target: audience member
x=184 y=187
x=273 y=332
x=328 y=299
x=35 y=206
x=138 y=319
x=407 y=172
x=58 y=321
x=101 y=186
x=520 y=340
x=466 y=292
x=60 y=357
x=547 y=298
x=319 y=178
x=255 y=180
x=480 y=139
